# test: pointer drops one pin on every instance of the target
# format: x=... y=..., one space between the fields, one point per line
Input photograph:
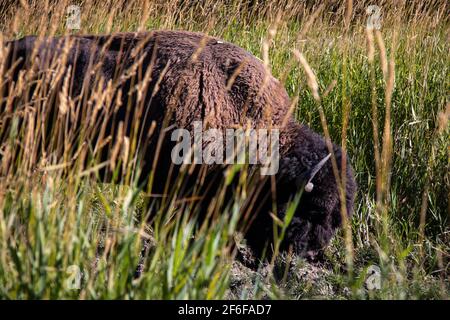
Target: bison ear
x=304 y=180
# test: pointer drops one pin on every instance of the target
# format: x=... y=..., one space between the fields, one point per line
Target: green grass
x=52 y=221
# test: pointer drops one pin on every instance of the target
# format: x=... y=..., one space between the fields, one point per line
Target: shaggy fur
x=190 y=77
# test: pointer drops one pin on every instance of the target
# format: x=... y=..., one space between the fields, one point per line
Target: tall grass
x=383 y=95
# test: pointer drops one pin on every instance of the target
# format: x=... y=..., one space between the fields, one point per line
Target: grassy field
x=384 y=96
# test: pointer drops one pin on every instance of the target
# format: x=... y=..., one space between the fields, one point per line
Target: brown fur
x=190 y=73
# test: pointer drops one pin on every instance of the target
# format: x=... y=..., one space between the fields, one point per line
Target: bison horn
x=309 y=175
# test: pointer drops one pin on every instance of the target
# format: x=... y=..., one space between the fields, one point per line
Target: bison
x=162 y=80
